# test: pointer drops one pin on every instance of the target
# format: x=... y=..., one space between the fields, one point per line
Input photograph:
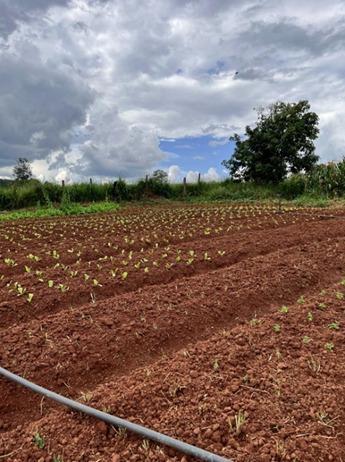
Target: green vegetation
x=51 y=199
x=72 y=209
x=22 y=170
x=274 y=161
x=39 y=441
x=282 y=142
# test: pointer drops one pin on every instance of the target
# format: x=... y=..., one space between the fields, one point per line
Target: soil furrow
x=80 y=348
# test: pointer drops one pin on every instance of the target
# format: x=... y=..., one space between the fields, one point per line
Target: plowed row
x=191 y=346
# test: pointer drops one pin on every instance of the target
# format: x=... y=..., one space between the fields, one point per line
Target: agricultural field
x=221 y=325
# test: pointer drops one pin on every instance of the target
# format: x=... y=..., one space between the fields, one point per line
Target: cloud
x=39 y=106
x=210 y=175
x=16 y=11
x=176 y=174
x=89 y=87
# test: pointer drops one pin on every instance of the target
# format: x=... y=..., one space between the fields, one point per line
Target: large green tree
x=281 y=142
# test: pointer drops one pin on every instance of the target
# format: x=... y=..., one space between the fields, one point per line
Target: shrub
x=293 y=186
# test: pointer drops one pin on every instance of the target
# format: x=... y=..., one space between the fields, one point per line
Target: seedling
x=145 y=445
x=276 y=328
x=38 y=439
x=322 y=306
x=339 y=295
x=284 y=309
x=10 y=262
x=310 y=316
x=86 y=396
x=334 y=325
x=306 y=339
x=329 y=346
x=30 y=297
x=57 y=459
x=215 y=365
x=254 y=322
x=237 y=422
x=33 y=257
x=55 y=255
x=325 y=419
x=301 y=300
x=314 y=365
x=63 y=288
x=281 y=450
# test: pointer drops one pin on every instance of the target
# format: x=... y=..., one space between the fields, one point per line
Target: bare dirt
x=218 y=325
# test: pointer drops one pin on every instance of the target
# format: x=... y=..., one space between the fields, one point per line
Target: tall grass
x=72 y=209
x=325 y=181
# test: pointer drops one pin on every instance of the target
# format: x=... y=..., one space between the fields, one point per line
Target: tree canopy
x=282 y=142
x=22 y=170
x=160 y=176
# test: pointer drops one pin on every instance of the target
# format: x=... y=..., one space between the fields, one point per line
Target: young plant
x=314 y=365
x=30 y=297
x=254 y=322
x=236 y=423
x=38 y=439
x=57 y=459
x=329 y=346
x=334 y=325
x=339 y=295
x=276 y=328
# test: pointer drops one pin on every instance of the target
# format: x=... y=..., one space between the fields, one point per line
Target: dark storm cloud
x=39 y=104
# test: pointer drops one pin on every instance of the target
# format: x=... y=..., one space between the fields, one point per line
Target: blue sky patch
x=196 y=153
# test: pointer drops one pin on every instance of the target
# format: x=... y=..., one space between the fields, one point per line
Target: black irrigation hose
x=118 y=422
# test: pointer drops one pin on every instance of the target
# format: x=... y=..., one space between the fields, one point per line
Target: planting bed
x=220 y=325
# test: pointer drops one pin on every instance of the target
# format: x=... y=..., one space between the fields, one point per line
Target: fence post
x=63 y=183
x=184 y=186
x=91 y=191
x=146 y=185
x=199 y=178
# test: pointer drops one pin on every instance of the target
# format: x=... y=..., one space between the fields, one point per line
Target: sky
x=108 y=88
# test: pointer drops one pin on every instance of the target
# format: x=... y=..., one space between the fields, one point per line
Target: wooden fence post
x=146 y=185
x=184 y=186
x=199 y=178
x=63 y=183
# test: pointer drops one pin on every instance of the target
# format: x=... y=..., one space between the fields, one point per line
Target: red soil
x=183 y=348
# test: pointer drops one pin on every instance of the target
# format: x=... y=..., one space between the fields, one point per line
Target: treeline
x=325 y=180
